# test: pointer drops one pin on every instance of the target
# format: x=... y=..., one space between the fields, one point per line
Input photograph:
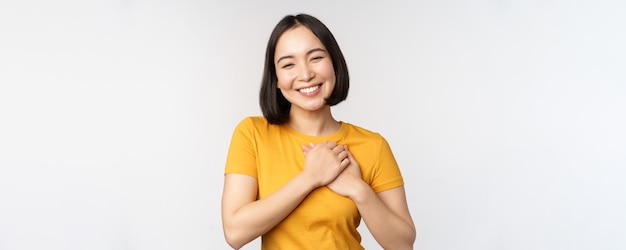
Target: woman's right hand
x=324 y=161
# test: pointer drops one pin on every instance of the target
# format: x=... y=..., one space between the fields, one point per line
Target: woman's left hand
x=348 y=181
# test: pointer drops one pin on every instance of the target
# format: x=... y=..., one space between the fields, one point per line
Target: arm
x=245 y=218
x=386 y=214
x=387 y=217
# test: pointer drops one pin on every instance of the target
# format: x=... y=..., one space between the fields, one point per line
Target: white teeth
x=309 y=89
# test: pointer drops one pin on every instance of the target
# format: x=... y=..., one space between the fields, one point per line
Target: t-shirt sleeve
x=241 y=157
x=386 y=171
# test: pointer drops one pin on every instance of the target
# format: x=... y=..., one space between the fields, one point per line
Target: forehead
x=299 y=39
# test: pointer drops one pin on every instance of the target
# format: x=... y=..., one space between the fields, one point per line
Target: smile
x=309 y=89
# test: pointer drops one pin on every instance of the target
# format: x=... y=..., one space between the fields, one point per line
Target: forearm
x=256 y=218
x=389 y=229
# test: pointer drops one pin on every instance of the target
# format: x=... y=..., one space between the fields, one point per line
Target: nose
x=306 y=73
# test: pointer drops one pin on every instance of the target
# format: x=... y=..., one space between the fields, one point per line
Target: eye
x=316 y=58
x=288 y=65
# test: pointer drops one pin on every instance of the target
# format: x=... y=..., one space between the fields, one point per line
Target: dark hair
x=274 y=106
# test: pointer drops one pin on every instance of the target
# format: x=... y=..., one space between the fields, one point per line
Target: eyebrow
x=307 y=53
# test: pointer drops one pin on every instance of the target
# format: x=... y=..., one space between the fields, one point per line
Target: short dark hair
x=274 y=106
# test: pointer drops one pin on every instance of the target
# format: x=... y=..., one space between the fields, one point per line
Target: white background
x=507 y=117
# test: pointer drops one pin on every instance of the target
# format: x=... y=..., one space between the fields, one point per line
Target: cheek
x=328 y=71
x=284 y=80
x=279 y=84
x=329 y=75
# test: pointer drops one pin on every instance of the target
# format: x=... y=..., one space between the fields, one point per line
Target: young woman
x=297 y=176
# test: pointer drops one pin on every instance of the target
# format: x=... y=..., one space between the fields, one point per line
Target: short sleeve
x=241 y=157
x=386 y=171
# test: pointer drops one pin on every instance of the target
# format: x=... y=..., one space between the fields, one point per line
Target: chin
x=316 y=107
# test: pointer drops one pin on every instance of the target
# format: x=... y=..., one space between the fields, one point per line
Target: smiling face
x=304 y=69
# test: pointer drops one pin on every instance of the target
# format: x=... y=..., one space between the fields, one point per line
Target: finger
x=331 y=144
x=338 y=149
x=344 y=163
x=319 y=145
x=342 y=155
x=350 y=156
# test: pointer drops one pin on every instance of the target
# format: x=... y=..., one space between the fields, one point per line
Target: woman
x=298 y=177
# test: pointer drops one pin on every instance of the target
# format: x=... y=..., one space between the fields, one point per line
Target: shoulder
x=358 y=135
x=252 y=122
x=360 y=132
x=256 y=125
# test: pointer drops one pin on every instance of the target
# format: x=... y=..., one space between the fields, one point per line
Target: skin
x=306 y=77
x=302 y=62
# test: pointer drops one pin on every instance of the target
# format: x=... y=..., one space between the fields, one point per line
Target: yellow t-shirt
x=324 y=220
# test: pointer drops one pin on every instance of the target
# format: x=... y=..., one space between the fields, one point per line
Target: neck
x=319 y=123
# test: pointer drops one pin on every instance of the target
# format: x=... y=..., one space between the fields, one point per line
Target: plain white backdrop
x=507 y=117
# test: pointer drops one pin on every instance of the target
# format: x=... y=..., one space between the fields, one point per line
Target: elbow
x=413 y=236
x=233 y=242
x=408 y=244
x=411 y=239
x=234 y=239
x=407 y=241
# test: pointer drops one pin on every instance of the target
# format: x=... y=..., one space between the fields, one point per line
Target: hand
x=347 y=182
x=324 y=161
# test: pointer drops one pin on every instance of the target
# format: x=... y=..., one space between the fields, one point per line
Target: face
x=304 y=69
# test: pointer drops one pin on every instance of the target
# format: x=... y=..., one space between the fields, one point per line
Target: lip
x=314 y=93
